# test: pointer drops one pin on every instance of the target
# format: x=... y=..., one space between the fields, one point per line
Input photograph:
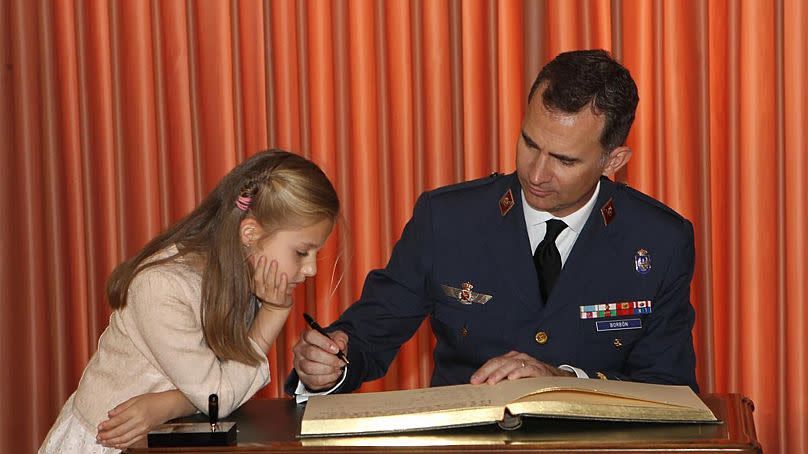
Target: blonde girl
x=197 y=309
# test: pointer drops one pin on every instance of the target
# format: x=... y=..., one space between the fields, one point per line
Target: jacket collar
x=508 y=242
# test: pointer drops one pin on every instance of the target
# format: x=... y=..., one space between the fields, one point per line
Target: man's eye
x=567 y=163
x=302 y=253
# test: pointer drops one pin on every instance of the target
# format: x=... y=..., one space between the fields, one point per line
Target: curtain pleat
x=135 y=148
x=437 y=76
x=64 y=191
x=283 y=64
x=119 y=117
x=794 y=369
x=399 y=127
x=322 y=139
x=684 y=139
x=175 y=124
x=758 y=213
x=364 y=141
x=510 y=68
x=214 y=80
x=478 y=105
x=29 y=323
x=251 y=76
x=8 y=381
x=723 y=168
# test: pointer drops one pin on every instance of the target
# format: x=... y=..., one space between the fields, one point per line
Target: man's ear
x=618 y=158
x=249 y=231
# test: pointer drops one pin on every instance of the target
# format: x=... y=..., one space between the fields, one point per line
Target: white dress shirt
x=536 y=222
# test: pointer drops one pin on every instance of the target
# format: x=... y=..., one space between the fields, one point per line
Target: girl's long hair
x=287 y=191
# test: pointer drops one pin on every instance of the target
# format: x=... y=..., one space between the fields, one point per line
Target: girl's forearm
x=267 y=325
x=176 y=404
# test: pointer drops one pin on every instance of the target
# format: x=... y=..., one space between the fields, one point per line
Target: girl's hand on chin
x=270 y=286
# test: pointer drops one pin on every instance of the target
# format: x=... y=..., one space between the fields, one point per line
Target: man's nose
x=541 y=172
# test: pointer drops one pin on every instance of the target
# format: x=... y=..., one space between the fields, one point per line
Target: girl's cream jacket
x=156 y=343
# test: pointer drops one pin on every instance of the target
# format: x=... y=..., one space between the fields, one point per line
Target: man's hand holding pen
x=316 y=360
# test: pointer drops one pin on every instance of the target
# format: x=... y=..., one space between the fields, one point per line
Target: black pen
x=316 y=326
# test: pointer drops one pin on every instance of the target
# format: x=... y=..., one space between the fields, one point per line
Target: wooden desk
x=270 y=426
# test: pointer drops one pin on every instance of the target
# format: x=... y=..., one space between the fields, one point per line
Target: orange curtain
x=117 y=117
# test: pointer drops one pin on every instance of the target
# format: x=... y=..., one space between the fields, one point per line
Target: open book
x=503 y=403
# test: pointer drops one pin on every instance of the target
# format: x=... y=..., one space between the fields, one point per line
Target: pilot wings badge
x=465 y=295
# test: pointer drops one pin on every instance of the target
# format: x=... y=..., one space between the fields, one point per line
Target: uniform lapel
x=509 y=246
x=592 y=253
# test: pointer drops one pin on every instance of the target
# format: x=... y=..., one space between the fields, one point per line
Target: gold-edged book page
x=608 y=399
x=681 y=396
x=460 y=405
x=588 y=405
x=396 y=411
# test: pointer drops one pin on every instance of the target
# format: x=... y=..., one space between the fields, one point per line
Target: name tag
x=613 y=325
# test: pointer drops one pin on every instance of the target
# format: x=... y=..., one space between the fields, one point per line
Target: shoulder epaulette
x=467 y=184
x=643 y=197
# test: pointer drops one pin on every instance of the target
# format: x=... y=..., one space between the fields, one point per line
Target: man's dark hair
x=591 y=77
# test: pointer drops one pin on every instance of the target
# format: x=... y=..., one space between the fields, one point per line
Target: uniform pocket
x=606 y=344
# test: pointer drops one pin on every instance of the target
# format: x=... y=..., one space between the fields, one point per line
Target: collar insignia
x=608 y=212
x=506 y=203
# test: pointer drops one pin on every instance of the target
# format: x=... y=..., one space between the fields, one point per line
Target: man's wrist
x=302 y=393
x=574 y=371
x=328 y=387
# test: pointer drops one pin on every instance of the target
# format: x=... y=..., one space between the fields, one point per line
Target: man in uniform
x=552 y=270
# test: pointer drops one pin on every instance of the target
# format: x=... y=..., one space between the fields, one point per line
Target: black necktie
x=547 y=258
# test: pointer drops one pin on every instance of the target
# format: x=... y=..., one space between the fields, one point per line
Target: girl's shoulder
x=171 y=260
x=166 y=272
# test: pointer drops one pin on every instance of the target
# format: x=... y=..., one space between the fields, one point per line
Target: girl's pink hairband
x=243 y=202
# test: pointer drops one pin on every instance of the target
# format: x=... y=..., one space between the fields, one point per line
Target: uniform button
x=617 y=342
x=464 y=331
x=541 y=337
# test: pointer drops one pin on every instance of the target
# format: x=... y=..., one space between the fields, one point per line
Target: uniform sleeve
x=664 y=354
x=169 y=333
x=393 y=304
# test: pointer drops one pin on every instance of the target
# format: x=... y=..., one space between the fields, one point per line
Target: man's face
x=559 y=158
